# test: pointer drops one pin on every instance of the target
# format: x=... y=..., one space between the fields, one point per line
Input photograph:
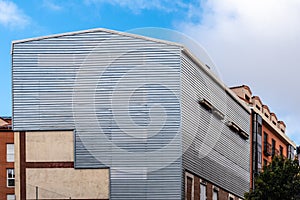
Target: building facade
x=268 y=138
x=7 y=172
x=127 y=117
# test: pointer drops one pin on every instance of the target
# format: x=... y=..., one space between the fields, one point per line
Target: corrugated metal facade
x=121 y=96
x=131 y=102
x=211 y=149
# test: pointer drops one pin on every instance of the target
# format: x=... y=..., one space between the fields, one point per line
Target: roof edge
x=216 y=79
x=97 y=30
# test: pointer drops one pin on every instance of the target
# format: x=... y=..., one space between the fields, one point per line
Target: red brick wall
x=196 y=187
x=6 y=137
x=223 y=195
x=209 y=191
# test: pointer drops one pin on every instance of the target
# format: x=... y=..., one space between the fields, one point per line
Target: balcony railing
x=267 y=149
x=275 y=152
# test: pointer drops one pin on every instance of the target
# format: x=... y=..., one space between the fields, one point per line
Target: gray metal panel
x=121 y=95
x=211 y=149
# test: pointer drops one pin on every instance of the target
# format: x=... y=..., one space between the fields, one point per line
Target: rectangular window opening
x=215 y=195
x=10 y=197
x=10 y=152
x=202 y=191
x=10 y=177
x=257 y=107
x=273 y=147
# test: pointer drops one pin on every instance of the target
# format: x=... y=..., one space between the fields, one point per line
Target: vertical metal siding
x=121 y=95
x=211 y=149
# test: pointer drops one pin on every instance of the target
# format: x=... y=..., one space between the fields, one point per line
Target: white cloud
x=11 y=16
x=51 y=5
x=254 y=42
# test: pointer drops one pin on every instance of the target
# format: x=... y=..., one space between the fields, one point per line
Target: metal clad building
x=133 y=103
x=212 y=150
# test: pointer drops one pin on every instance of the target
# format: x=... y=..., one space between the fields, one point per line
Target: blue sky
x=252 y=42
x=37 y=18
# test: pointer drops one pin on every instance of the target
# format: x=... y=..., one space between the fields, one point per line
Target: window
x=273 y=147
x=10 y=177
x=265 y=162
x=247 y=97
x=267 y=146
x=257 y=107
x=10 y=197
x=10 y=152
x=189 y=186
x=230 y=197
x=291 y=152
x=202 y=191
x=265 y=138
x=259 y=146
x=280 y=150
x=267 y=116
x=215 y=195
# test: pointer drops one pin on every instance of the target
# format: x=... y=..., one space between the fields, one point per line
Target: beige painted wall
x=63 y=183
x=17 y=164
x=49 y=146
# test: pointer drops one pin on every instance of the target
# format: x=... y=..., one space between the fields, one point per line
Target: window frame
x=10 y=178
x=188 y=175
x=12 y=195
x=280 y=150
x=215 y=192
x=203 y=184
x=10 y=156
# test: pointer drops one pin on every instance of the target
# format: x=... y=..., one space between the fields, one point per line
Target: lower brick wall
x=222 y=194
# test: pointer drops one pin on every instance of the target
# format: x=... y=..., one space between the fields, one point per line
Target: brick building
x=7 y=177
x=268 y=136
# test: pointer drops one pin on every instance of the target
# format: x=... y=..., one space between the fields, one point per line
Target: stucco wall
x=63 y=183
x=49 y=146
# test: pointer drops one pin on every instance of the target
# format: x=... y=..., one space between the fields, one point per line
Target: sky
x=252 y=42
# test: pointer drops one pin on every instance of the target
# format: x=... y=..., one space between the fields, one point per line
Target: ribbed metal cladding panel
x=121 y=94
x=211 y=149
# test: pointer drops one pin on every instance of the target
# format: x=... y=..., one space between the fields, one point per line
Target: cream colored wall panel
x=49 y=146
x=65 y=183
